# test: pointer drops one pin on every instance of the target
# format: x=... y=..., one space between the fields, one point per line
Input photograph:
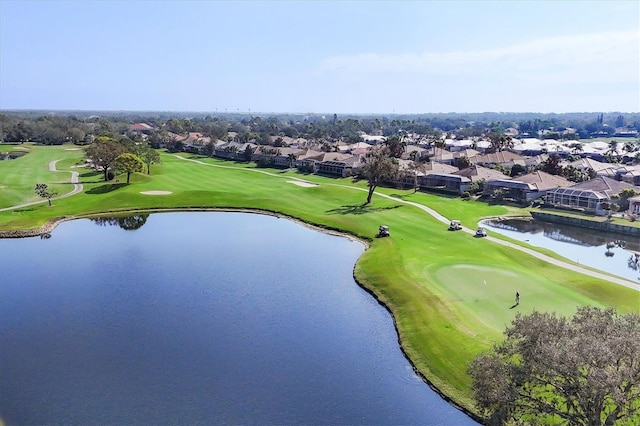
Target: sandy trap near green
x=302 y=183
x=156 y=192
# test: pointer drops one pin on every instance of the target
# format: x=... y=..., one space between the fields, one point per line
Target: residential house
x=141 y=128
x=589 y=163
x=334 y=164
x=307 y=159
x=285 y=157
x=455 y=145
x=589 y=196
x=500 y=157
x=529 y=146
x=476 y=173
x=629 y=174
x=195 y=141
x=440 y=155
x=634 y=205
x=513 y=190
x=421 y=153
x=526 y=188
x=234 y=150
x=446 y=182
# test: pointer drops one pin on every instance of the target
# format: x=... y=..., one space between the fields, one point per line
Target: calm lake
x=199 y=318
x=608 y=252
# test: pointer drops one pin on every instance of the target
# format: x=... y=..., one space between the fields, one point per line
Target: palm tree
x=291 y=159
x=396 y=145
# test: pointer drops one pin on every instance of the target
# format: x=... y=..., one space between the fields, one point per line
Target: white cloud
x=588 y=57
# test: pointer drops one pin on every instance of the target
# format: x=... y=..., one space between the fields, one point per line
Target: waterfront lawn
x=433 y=280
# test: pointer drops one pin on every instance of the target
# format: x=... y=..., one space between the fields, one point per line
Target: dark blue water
x=199 y=318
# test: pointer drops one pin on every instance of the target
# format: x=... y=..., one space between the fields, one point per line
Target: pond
x=608 y=252
x=199 y=318
x=11 y=155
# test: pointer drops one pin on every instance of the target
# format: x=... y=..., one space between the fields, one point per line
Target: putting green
x=487 y=294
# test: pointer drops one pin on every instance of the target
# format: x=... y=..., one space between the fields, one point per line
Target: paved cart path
x=77 y=188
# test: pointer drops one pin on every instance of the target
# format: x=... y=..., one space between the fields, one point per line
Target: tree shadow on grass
x=105 y=188
x=360 y=209
x=402 y=196
x=90 y=174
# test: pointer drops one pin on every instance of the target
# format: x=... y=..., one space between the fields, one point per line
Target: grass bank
x=451 y=295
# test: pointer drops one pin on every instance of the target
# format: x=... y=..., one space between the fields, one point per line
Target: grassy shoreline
x=431 y=280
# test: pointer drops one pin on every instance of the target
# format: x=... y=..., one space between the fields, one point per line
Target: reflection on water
x=11 y=155
x=128 y=223
x=608 y=252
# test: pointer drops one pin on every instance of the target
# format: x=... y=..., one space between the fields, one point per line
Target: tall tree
x=150 y=156
x=551 y=165
x=128 y=163
x=499 y=141
x=379 y=167
x=291 y=159
x=579 y=371
x=396 y=145
x=42 y=190
x=103 y=153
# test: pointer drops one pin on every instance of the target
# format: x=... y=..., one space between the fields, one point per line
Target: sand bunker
x=156 y=192
x=300 y=183
x=72 y=149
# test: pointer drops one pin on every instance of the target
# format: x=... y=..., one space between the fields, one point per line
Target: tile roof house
x=411 y=173
x=445 y=182
x=629 y=174
x=588 y=163
x=343 y=165
x=544 y=181
x=500 y=157
x=527 y=187
x=440 y=155
x=140 y=127
x=588 y=196
x=234 y=150
x=420 y=152
x=476 y=173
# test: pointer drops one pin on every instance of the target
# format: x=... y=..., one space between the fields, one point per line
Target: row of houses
x=591 y=196
x=441 y=172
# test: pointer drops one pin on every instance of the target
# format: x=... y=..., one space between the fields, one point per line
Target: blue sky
x=321 y=56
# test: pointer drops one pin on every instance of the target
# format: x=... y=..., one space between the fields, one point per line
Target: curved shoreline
x=50 y=225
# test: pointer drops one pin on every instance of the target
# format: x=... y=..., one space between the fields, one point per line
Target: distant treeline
x=55 y=127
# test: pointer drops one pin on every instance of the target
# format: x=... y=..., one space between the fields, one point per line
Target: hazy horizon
x=322 y=57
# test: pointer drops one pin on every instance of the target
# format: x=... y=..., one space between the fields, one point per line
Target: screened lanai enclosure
x=578 y=199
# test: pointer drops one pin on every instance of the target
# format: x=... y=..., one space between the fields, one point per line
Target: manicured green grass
x=430 y=278
x=18 y=177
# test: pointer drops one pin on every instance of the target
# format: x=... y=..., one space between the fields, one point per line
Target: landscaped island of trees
x=451 y=295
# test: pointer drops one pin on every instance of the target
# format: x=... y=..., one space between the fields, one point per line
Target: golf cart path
x=572 y=267
x=77 y=188
x=544 y=257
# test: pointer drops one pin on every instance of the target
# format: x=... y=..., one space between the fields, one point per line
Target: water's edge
x=51 y=224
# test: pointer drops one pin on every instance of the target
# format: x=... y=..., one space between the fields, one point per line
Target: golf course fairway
x=451 y=295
